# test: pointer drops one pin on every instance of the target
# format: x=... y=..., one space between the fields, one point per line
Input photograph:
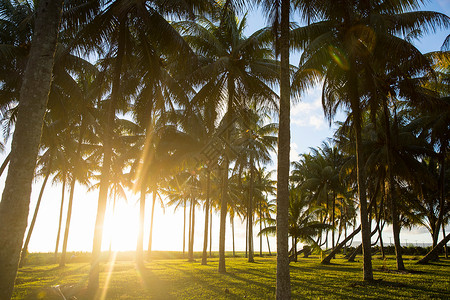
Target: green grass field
x=179 y=279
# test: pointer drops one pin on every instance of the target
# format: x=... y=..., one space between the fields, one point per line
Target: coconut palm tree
x=345 y=50
x=33 y=99
x=233 y=65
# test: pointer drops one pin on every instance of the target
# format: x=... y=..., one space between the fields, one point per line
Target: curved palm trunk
x=150 y=239
x=391 y=193
x=336 y=249
x=25 y=144
x=267 y=238
x=62 y=261
x=5 y=163
x=283 y=287
x=140 y=240
x=33 y=221
x=435 y=251
x=106 y=165
x=63 y=190
x=361 y=179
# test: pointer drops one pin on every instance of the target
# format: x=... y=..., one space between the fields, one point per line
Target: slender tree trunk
x=184 y=228
x=260 y=229
x=442 y=206
x=63 y=191
x=190 y=225
x=250 y=214
x=445 y=246
x=93 y=282
x=150 y=239
x=283 y=285
x=5 y=163
x=246 y=237
x=33 y=221
x=267 y=238
x=33 y=98
x=205 y=236
x=210 y=231
x=336 y=249
x=435 y=251
x=351 y=257
x=191 y=241
x=232 y=235
x=140 y=240
x=62 y=261
x=391 y=190
x=361 y=178
x=333 y=215
x=224 y=200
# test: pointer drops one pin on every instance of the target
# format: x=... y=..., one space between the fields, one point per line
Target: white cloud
x=293 y=154
x=309 y=113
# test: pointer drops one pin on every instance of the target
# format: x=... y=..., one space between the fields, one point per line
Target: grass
x=179 y=279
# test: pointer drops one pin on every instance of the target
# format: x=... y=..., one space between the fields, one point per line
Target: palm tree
x=345 y=50
x=232 y=65
x=256 y=141
x=33 y=99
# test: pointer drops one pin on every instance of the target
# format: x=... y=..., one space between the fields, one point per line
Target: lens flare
x=338 y=57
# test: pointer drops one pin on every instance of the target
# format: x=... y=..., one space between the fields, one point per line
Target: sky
x=308 y=129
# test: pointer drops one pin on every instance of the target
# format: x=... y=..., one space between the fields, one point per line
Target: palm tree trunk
x=391 y=193
x=63 y=190
x=336 y=249
x=246 y=237
x=232 y=234
x=224 y=200
x=106 y=164
x=205 y=236
x=5 y=163
x=267 y=238
x=191 y=240
x=150 y=239
x=33 y=221
x=140 y=240
x=33 y=98
x=184 y=227
x=435 y=251
x=442 y=206
x=361 y=179
x=260 y=229
x=283 y=285
x=445 y=246
x=333 y=215
x=62 y=261
x=210 y=231
x=250 y=213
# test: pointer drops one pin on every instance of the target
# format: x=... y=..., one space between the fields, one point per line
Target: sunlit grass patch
x=179 y=279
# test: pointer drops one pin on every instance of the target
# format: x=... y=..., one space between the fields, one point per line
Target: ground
x=179 y=279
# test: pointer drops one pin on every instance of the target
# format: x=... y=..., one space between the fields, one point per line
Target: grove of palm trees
x=179 y=109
